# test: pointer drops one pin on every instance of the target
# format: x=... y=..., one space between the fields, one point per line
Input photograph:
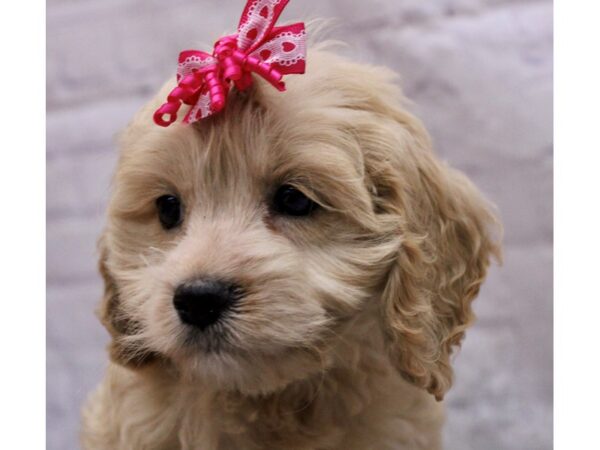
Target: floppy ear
x=115 y=321
x=441 y=231
x=442 y=258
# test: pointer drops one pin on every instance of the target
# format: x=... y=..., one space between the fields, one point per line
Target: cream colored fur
x=344 y=335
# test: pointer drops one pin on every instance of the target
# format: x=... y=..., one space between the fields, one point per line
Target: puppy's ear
x=444 y=232
x=439 y=228
x=116 y=321
x=445 y=249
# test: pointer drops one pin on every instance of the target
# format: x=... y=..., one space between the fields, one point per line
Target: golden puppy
x=291 y=273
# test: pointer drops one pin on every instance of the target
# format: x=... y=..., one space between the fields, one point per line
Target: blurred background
x=480 y=75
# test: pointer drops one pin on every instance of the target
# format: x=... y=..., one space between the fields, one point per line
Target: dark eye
x=290 y=201
x=169 y=211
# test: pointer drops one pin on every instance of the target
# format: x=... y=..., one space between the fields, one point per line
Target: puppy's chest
x=333 y=413
x=295 y=421
x=320 y=426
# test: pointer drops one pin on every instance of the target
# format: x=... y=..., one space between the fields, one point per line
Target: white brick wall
x=480 y=73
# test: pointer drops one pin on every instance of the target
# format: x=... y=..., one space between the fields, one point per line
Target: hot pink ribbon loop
x=258 y=47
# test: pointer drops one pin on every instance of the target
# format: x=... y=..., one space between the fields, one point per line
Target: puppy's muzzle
x=202 y=303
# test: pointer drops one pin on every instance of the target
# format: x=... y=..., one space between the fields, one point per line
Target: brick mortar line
x=86 y=214
x=143 y=95
x=58 y=155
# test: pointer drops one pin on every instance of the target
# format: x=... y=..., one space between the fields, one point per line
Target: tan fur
x=344 y=335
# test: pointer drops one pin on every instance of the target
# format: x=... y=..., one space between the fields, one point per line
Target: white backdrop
x=480 y=74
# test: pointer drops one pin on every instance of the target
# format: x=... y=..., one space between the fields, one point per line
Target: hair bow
x=204 y=80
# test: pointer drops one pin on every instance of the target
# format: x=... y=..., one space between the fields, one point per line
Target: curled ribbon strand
x=204 y=80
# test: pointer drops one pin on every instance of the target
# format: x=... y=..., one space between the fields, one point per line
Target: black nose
x=201 y=303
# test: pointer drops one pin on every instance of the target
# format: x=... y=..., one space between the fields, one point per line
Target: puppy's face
x=237 y=248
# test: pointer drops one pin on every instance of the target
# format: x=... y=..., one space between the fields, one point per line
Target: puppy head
x=236 y=248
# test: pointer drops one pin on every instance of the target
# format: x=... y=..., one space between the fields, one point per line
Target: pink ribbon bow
x=258 y=47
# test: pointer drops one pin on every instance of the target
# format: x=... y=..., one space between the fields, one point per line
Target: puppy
x=294 y=272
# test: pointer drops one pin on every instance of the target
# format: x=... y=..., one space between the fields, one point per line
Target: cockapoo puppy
x=291 y=273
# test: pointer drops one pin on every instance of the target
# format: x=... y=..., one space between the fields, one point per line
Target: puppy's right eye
x=169 y=211
x=290 y=201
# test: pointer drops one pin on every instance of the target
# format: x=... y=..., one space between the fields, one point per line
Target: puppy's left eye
x=169 y=211
x=290 y=201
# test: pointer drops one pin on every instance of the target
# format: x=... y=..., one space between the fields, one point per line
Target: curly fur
x=349 y=317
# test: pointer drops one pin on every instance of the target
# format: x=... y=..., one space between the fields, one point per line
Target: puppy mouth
x=227 y=337
x=215 y=338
